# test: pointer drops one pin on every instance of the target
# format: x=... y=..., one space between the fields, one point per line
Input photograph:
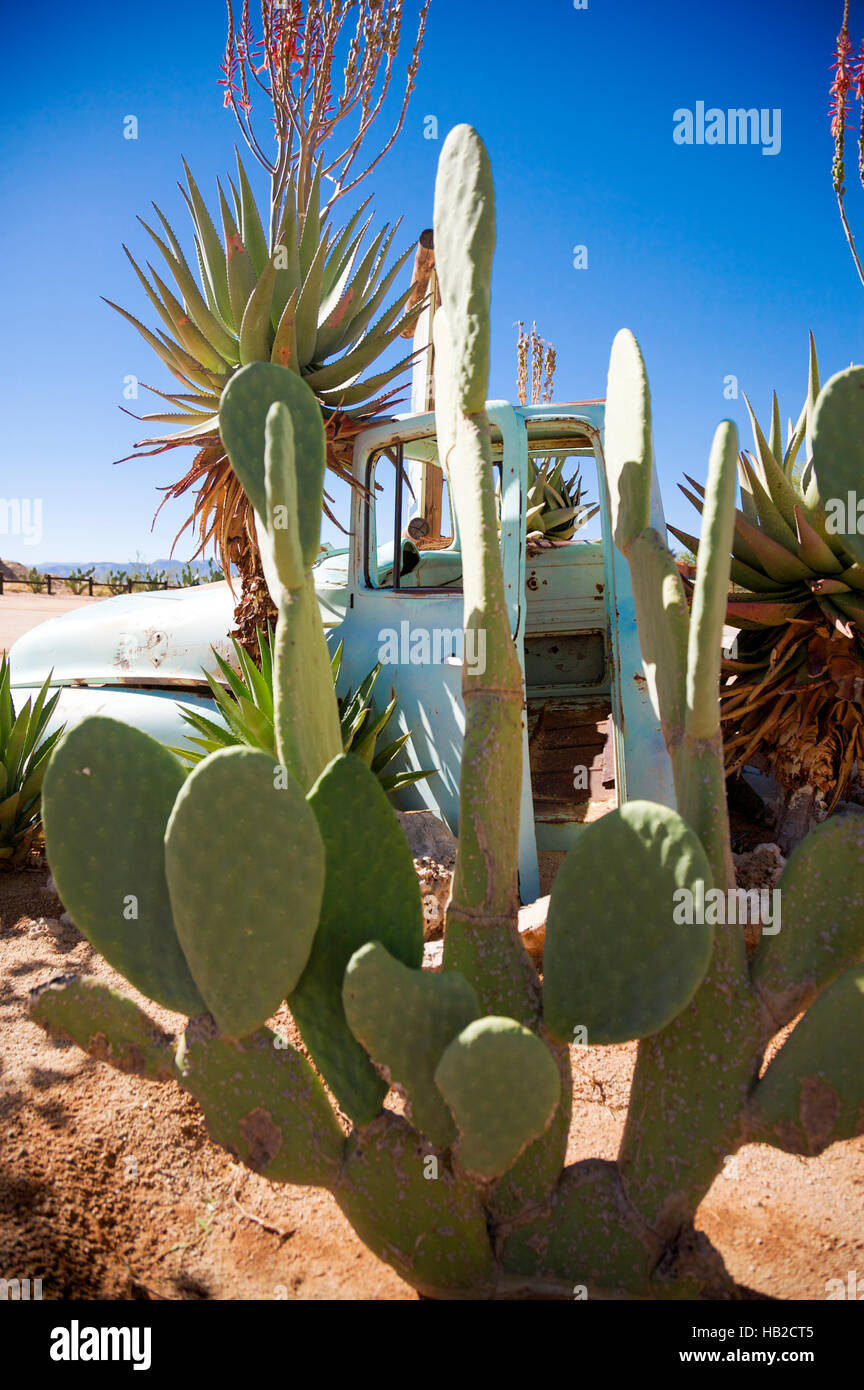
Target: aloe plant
x=304 y=294
x=467 y=1194
x=555 y=505
x=24 y=754
x=247 y=706
x=791 y=695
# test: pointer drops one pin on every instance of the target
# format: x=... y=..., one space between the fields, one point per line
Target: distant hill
x=101 y=568
x=11 y=569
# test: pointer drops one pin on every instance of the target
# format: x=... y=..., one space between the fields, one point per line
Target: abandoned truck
x=591 y=737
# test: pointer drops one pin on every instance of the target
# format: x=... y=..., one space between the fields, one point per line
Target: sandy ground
x=110 y=1187
x=21 y=611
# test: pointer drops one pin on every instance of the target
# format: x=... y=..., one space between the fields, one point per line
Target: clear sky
x=720 y=258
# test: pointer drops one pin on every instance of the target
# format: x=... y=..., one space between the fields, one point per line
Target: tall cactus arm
x=481 y=940
x=701 y=780
x=272 y=429
x=678 y=1127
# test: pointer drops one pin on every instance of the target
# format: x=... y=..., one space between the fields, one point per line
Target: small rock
x=428 y=837
x=532 y=927
x=433 y=956
x=760 y=867
x=435 y=880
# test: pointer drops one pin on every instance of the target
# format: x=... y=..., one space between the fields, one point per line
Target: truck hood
x=162 y=638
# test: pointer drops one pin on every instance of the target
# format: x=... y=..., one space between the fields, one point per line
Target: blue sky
x=719 y=258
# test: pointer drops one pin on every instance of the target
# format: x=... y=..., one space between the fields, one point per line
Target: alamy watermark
x=727 y=907
x=850 y=1288
x=436 y=646
x=21 y=516
x=77 y=1343
x=845 y=516
x=20 y=1290
x=736 y=126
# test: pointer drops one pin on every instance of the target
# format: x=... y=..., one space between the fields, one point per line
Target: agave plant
x=555 y=505
x=794 y=694
x=24 y=754
x=307 y=298
x=247 y=705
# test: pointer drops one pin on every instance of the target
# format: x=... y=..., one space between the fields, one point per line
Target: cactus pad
x=242 y=419
x=615 y=962
x=405 y=1019
x=245 y=869
x=412 y=1211
x=106 y=1023
x=502 y=1085
x=306 y=711
x=822 y=924
x=464 y=243
x=812 y=1093
x=589 y=1236
x=838 y=446
x=283 y=504
x=263 y=1101
x=109 y=791
x=627 y=447
x=371 y=894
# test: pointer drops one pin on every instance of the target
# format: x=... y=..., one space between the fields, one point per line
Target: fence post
x=90 y=585
x=49 y=584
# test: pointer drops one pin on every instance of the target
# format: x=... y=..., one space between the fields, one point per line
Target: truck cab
x=591 y=736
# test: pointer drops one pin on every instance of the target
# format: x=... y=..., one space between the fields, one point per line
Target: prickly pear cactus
x=255 y=881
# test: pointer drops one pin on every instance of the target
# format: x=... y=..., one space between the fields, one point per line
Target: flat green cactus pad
x=242 y=419
x=405 y=1019
x=838 y=447
x=109 y=791
x=502 y=1085
x=616 y=963
x=589 y=1238
x=411 y=1211
x=106 y=1023
x=371 y=894
x=822 y=922
x=263 y=1101
x=245 y=868
x=812 y=1093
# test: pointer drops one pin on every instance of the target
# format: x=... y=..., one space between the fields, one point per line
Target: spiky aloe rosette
x=24 y=753
x=310 y=297
x=245 y=699
x=306 y=892
x=794 y=694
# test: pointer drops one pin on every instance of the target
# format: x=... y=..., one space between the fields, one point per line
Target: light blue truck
x=591 y=735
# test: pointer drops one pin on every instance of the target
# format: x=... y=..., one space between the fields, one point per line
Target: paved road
x=21 y=611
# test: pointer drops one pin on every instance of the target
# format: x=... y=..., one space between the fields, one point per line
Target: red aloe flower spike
x=859 y=93
x=847 y=71
x=839 y=97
